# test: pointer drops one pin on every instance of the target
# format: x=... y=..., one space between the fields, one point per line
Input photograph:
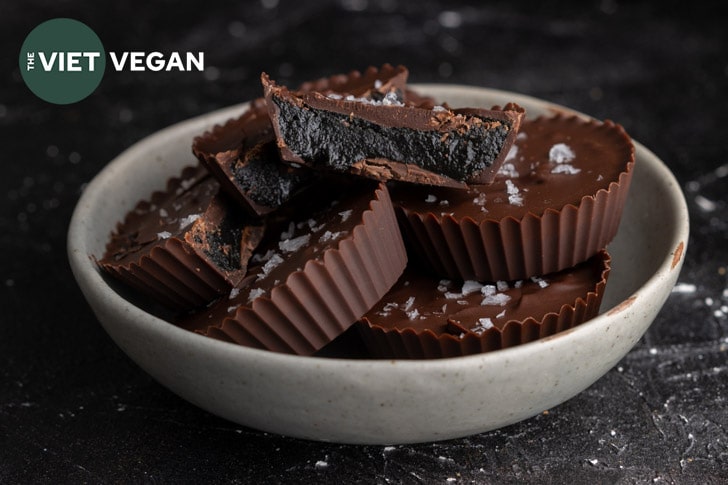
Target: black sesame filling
x=325 y=139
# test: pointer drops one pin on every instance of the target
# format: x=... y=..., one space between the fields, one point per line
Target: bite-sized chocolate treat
x=185 y=246
x=556 y=201
x=389 y=139
x=242 y=156
x=423 y=317
x=318 y=270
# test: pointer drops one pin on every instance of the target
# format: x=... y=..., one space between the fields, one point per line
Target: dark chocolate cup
x=191 y=267
x=408 y=343
x=512 y=248
x=317 y=303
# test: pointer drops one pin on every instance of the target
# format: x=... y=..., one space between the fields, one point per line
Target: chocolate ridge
x=317 y=303
x=512 y=248
x=392 y=343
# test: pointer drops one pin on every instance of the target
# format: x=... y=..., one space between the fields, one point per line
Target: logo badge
x=62 y=61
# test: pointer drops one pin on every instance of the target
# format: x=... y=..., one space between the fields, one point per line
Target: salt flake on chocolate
x=483 y=325
x=514 y=194
x=292 y=245
x=561 y=153
x=186 y=221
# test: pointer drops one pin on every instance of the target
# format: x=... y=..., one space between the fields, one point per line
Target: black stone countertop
x=74 y=408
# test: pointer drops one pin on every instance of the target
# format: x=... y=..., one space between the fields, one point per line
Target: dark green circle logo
x=62 y=61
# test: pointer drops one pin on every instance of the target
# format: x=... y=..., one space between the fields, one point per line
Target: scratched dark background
x=74 y=408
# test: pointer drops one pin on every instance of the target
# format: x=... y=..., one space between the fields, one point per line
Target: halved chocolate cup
x=185 y=246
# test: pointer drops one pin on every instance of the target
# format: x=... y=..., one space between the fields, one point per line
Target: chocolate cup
x=522 y=242
x=193 y=266
x=444 y=147
x=321 y=300
x=408 y=343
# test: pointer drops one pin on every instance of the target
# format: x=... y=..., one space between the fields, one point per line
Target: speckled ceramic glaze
x=382 y=402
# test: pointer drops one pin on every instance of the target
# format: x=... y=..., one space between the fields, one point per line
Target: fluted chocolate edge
x=317 y=303
x=410 y=344
x=511 y=249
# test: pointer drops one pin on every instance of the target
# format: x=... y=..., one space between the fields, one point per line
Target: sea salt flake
x=470 y=286
x=312 y=225
x=508 y=170
x=514 y=195
x=260 y=258
x=565 y=168
x=255 y=293
x=388 y=307
x=438 y=108
x=164 y=235
x=511 y=155
x=488 y=290
x=408 y=304
x=163 y=213
x=501 y=314
x=499 y=299
x=431 y=199
x=274 y=261
x=292 y=245
x=480 y=200
x=453 y=296
x=234 y=293
x=231 y=309
x=501 y=285
x=483 y=325
x=561 y=153
x=540 y=281
x=289 y=233
x=186 y=221
x=186 y=184
x=413 y=314
x=345 y=215
x=329 y=236
x=518 y=284
x=389 y=99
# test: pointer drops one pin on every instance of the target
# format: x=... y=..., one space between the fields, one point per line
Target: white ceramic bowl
x=381 y=401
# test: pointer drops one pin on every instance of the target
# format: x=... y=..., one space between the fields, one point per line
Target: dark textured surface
x=74 y=408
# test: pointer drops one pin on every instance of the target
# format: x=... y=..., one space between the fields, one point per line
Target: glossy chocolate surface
x=420 y=301
x=554 y=162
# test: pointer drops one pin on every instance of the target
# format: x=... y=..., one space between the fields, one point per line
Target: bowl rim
x=90 y=279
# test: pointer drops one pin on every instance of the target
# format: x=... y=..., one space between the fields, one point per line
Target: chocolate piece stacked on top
x=389 y=139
